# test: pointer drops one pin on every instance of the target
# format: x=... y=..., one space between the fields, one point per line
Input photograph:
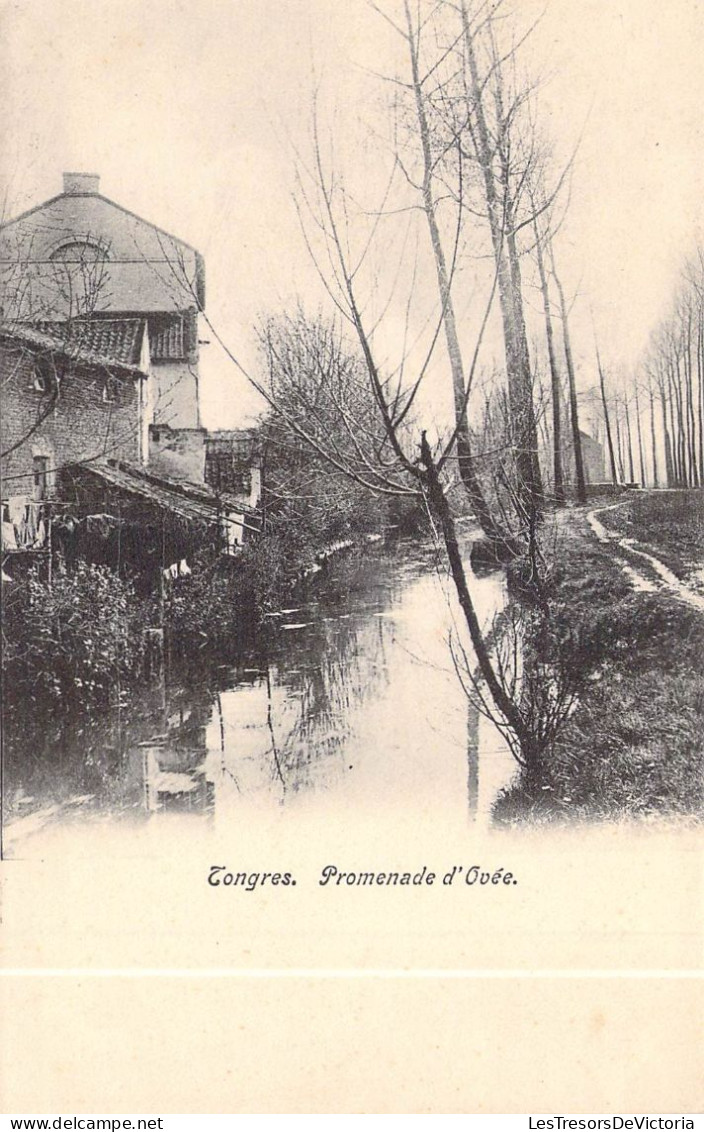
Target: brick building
x=100 y=383
x=64 y=401
x=83 y=256
x=229 y=461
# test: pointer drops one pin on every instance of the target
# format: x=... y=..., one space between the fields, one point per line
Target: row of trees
x=673 y=383
x=651 y=421
x=471 y=204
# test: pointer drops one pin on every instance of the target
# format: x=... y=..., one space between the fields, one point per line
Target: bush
x=222 y=601
x=72 y=640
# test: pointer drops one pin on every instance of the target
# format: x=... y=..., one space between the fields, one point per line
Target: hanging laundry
x=24 y=524
x=232 y=528
x=177 y=570
x=9 y=537
x=17 y=511
x=33 y=514
x=16 y=506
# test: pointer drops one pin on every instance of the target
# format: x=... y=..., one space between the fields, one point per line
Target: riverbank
x=345 y=701
x=634 y=744
x=670 y=524
x=88 y=634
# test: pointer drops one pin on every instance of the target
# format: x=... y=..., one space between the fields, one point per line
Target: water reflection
x=346 y=704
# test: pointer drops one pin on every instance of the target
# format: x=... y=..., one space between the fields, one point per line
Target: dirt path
x=666 y=579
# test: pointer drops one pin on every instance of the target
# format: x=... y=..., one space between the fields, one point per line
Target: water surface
x=346 y=703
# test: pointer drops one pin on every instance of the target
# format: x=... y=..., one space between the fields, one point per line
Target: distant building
x=592 y=458
x=227 y=460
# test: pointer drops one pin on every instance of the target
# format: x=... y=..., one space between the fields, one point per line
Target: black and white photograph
x=352 y=480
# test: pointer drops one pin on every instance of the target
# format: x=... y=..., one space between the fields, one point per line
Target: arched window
x=79 y=251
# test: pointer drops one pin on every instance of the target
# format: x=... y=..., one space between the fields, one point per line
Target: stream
x=346 y=702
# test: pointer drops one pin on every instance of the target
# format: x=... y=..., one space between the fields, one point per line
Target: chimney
x=79 y=184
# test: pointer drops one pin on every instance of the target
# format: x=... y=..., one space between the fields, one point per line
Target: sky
x=193 y=113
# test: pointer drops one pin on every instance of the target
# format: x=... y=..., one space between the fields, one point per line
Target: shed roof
x=189 y=501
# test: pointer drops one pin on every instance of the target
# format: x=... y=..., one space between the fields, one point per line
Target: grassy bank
x=634 y=744
x=669 y=523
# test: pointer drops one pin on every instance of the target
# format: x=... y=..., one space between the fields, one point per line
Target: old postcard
x=352 y=470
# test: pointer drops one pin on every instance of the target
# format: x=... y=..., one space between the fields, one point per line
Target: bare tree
x=472 y=113
x=555 y=384
x=572 y=385
x=607 y=418
x=461 y=381
x=324 y=209
x=488 y=116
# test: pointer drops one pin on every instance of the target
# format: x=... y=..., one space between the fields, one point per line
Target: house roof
x=128 y=212
x=167 y=338
x=119 y=339
x=110 y=349
x=242 y=443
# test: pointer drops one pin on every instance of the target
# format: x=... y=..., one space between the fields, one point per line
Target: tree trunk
x=529 y=485
x=607 y=425
x=465 y=459
x=653 y=442
x=676 y=420
x=689 y=389
x=641 y=456
x=619 y=447
x=554 y=372
x=629 y=442
x=504 y=704
x=700 y=390
x=669 y=464
x=574 y=414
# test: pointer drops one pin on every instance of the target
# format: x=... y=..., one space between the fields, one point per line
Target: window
x=40 y=468
x=111 y=389
x=41 y=378
x=79 y=251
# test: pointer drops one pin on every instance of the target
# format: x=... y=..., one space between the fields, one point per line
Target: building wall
x=81 y=424
x=177 y=453
x=109 y=262
x=233 y=463
x=175 y=394
x=593 y=458
x=136 y=266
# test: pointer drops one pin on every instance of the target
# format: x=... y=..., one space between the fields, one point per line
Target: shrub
x=223 y=600
x=73 y=639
